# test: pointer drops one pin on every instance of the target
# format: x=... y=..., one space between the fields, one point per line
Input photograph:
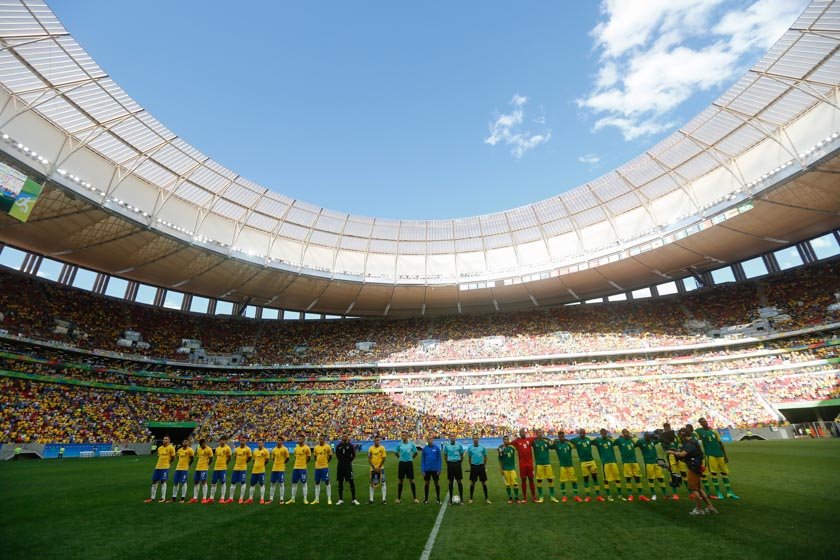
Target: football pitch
x=93 y=508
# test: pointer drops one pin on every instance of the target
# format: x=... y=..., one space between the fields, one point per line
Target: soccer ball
x=456 y=500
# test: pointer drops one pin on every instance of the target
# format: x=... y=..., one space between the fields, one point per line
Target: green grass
x=94 y=509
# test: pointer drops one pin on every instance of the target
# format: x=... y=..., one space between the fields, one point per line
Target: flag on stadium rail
x=18 y=193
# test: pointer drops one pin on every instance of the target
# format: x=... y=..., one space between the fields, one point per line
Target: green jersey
x=711 y=442
x=606 y=449
x=584 y=448
x=507 y=456
x=649 y=453
x=627 y=448
x=542 y=456
x=564 y=453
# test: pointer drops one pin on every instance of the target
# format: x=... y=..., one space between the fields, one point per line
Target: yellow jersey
x=184 y=456
x=260 y=459
x=377 y=455
x=241 y=456
x=165 y=455
x=223 y=454
x=322 y=456
x=204 y=455
x=302 y=455
x=281 y=457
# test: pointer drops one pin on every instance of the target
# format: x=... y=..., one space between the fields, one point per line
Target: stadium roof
x=127 y=196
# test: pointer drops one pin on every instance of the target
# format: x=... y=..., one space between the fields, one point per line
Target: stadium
x=163 y=316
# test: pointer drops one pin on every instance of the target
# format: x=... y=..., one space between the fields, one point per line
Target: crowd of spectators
x=30 y=306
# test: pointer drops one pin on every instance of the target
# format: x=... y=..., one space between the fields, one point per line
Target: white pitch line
x=430 y=543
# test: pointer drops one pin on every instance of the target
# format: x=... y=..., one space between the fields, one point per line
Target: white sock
x=282 y=490
x=154 y=491
x=317 y=492
x=305 y=492
x=241 y=491
x=204 y=491
x=195 y=492
x=383 y=491
x=329 y=493
x=184 y=490
x=162 y=490
x=174 y=491
x=371 y=493
x=294 y=490
x=271 y=492
x=262 y=492
x=213 y=492
x=251 y=493
x=224 y=490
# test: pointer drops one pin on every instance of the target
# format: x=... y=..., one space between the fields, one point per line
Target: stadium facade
x=124 y=196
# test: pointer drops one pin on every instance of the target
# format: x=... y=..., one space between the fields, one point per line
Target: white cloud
x=507 y=129
x=656 y=54
x=589 y=159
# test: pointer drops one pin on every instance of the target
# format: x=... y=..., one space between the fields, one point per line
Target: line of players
x=529 y=450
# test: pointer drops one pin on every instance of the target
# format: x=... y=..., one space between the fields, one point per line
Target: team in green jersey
x=542 y=457
x=716 y=461
x=632 y=472
x=652 y=468
x=507 y=465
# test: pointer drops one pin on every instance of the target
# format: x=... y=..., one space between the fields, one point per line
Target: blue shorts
x=278 y=476
x=199 y=476
x=239 y=477
x=258 y=478
x=322 y=475
x=299 y=475
x=160 y=475
x=377 y=478
x=219 y=476
x=180 y=477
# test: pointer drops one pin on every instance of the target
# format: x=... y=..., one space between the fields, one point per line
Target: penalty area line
x=430 y=543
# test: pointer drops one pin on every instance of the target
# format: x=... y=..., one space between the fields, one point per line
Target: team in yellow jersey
x=280 y=455
x=261 y=457
x=241 y=457
x=165 y=454
x=204 y=455
x=302 y=455
x=182 y=470
x=323 y=453
x=223 y=455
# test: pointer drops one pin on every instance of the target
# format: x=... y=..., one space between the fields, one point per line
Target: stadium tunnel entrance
x=177 y=431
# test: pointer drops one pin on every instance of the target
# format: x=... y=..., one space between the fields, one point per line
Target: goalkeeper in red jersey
x=523 y=446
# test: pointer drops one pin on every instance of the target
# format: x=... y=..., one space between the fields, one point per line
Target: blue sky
x=425 y=110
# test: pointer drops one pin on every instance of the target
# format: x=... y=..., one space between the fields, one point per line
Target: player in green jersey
x=542 y=457
x=630 y=464
x=652 y=468
x=606 y=452
x=507 y=466
x=588 y=468
x=717 y=462
x=567 y=466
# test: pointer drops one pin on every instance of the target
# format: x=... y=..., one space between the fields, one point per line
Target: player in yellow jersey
x=376 y=460
x=302 y=455
x=165 y=454
x=182 y=470
x=323 y=454
x=241 y=457
x=261 y=456
x=204 y=454
x=223 y=455
x=278 y=470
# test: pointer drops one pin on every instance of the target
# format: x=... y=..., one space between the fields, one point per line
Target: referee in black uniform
x=346 y=452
